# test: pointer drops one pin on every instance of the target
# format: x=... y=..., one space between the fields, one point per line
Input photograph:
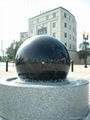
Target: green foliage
x=1 y=59
x=84 y=45
x=83 y=54
x=12 y=50
x=84 y=50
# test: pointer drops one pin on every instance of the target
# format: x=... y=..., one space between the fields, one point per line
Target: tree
x=84 y=45
x=84 y=51
x=12 y=50
x=1 y=59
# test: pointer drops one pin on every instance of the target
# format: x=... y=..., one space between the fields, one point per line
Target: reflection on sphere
x=42 y=58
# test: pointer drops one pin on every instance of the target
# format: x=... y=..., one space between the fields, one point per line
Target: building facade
x=59 y=23
x=23 y=36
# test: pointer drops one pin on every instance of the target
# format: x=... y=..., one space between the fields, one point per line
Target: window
x=42 y=30
x=54 y=34
x=65 y=35
x=73 y=20
x=69 y=17
x=54 y=24
x=70 y=46
x=47 y=17
x=54 y=15
x=73 y=30
x=70 y=36
x=70 y=27
x=66 y=44
x=65 y=15
x=65 y=25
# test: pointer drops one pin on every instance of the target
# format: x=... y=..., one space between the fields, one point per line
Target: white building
x=23 y=36
x=59 y=23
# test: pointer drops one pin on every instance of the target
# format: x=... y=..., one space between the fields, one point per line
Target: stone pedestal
x=43 y=101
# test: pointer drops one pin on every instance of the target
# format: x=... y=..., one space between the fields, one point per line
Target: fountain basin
x=43 y=100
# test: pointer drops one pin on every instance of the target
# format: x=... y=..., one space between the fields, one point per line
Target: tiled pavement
x=11 y=70
x=79 y=73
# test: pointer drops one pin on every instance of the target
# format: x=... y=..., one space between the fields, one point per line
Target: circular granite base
x=43 y=101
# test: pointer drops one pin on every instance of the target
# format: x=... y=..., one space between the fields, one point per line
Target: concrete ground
x=11 y=70
x=79 y=73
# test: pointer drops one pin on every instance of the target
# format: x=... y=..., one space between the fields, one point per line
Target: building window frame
x=65 y=35
x=42 y=30
x=54 y=24
x=54 y=14
x=73 y=29
x=70 y=46
x=69 y=27
x=65 y=44
x=54 y=34
x=65 y=14
x=47 y=17
x=70 y=36
x=69 y=17
x=65 y=25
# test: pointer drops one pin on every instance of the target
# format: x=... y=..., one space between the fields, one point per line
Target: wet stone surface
x=42 y=58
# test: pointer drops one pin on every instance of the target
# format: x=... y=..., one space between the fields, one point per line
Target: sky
x=14 y=15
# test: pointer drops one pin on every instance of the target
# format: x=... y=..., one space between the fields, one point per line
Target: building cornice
x=51 y=11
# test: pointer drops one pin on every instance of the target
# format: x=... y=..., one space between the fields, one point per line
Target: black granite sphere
x=42 y=58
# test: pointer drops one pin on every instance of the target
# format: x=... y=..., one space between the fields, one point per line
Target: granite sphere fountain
x=42 y=91
x=42 y=58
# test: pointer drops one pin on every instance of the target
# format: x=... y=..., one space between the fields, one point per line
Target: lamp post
x=14 y=47
x=85 y=38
